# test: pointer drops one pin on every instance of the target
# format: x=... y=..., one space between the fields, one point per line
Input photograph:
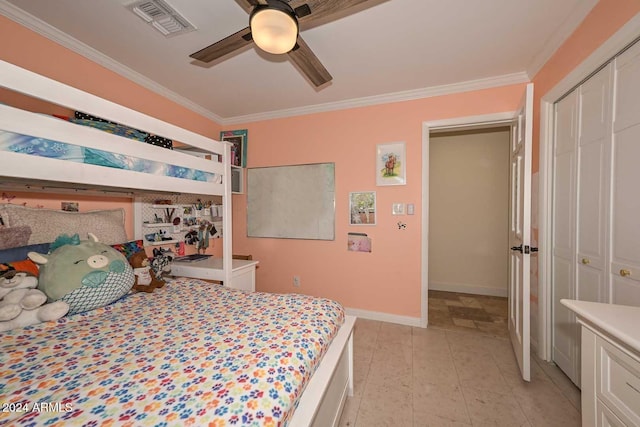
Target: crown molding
x=31 y=22
x=409 y=95
x=37 y=25
x=560 y=36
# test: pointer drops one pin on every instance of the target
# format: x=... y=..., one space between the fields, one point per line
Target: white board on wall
x=291 y=202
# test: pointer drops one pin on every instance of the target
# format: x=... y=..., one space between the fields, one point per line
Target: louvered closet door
x=625 y=214
x=564 y=201
x=594 y=159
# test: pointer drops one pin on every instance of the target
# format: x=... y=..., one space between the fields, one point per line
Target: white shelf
x=157 y=224
x=167 y=206
x=162 y=242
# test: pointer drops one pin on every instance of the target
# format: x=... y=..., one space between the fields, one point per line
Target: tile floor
x=451 y=375
x=470 y=313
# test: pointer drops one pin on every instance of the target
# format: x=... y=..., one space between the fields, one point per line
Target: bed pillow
x=13 y=237
x=129 y=248
x=23 y=265
x=47 y=224
x=17 y=254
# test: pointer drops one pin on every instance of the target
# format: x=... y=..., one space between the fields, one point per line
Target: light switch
x=398 y=208
x=410 y=209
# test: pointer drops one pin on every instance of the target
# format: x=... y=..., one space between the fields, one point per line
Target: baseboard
x=468 y=289
x=383 y=317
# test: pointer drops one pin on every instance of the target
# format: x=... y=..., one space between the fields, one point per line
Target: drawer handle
x=634 y=389
x=585 y=261
x=625 y=273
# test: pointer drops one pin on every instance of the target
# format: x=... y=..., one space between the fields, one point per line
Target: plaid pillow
x=129 y=248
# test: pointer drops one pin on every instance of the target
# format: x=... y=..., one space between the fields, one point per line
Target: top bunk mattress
x=191 y=353
x=42 y=147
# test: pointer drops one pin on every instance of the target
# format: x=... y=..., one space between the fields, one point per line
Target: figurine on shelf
x=204 y=234
x=191 y=238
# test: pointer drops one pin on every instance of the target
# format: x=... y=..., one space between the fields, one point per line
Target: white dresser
x=610 y=371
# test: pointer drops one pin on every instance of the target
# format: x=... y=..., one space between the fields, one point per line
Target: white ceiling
x=391 y=50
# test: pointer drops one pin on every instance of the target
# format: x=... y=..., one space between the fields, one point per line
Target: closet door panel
x=564 y=185
x=625 y=291
x=564 y=322
x=625 y=209
x=566 y=124
x=590 y=284
x=626 y=204
x=564 y=248
x=595 y=106
x=591 y=205
x=627 y=88
x=594 y=170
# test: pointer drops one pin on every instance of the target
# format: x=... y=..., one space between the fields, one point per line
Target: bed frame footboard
x=323 y=399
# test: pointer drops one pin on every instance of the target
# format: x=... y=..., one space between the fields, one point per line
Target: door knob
x=625 y=273
x=585 y=261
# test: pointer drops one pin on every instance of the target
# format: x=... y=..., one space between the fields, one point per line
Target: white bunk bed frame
x=324 y=396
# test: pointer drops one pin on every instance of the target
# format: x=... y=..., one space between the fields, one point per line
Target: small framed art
x=239 y=150
x=391 y=164
x=362 y=208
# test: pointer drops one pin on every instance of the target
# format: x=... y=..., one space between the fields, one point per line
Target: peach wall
x=388 y=279
x=601 y=23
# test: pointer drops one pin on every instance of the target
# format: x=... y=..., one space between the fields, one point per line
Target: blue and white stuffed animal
x=21 y=304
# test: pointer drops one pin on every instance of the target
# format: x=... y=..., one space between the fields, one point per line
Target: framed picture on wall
x=239 y=149
x=391 y=164
x=362 y=208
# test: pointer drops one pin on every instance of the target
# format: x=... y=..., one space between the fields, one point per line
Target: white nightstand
x=243 y=272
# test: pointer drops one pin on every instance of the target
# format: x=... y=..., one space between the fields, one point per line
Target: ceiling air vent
x=162 y=17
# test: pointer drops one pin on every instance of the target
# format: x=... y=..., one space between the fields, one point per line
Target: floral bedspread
x=191 y=353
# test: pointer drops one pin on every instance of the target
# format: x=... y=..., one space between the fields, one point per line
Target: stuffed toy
x=86 y=274
x=146 y=280
x=161 y=262
x=21 y=304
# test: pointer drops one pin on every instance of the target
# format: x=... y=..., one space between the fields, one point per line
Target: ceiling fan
x=274 y=27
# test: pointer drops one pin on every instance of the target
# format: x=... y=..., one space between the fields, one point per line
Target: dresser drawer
x=606 y=418
x=618 y=382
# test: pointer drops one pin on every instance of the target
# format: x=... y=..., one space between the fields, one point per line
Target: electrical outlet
x=296 y=281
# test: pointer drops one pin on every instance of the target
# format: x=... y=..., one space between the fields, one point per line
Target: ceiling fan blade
x=227 y=45
x=309 y=63
x=248 y=5
x=321 y=8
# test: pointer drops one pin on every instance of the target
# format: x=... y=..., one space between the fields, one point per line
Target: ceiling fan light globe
x=274 y=31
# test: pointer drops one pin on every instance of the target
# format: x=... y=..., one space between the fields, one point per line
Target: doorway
x=519 y=212
x=469 y=211
x=431 y=129
x=469 y=223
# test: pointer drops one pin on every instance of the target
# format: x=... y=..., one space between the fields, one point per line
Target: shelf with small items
x=168 y=206
x=167 y=222
x=162 y=242
x=157 y=224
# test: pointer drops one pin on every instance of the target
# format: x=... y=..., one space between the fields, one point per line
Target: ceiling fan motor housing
x=274 y=26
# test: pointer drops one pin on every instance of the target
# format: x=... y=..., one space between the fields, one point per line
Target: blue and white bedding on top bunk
x=35 y=146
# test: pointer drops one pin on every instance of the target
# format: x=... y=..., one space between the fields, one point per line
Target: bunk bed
x=314 y=391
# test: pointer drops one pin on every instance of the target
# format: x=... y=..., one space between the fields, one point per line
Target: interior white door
x=520 y=233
